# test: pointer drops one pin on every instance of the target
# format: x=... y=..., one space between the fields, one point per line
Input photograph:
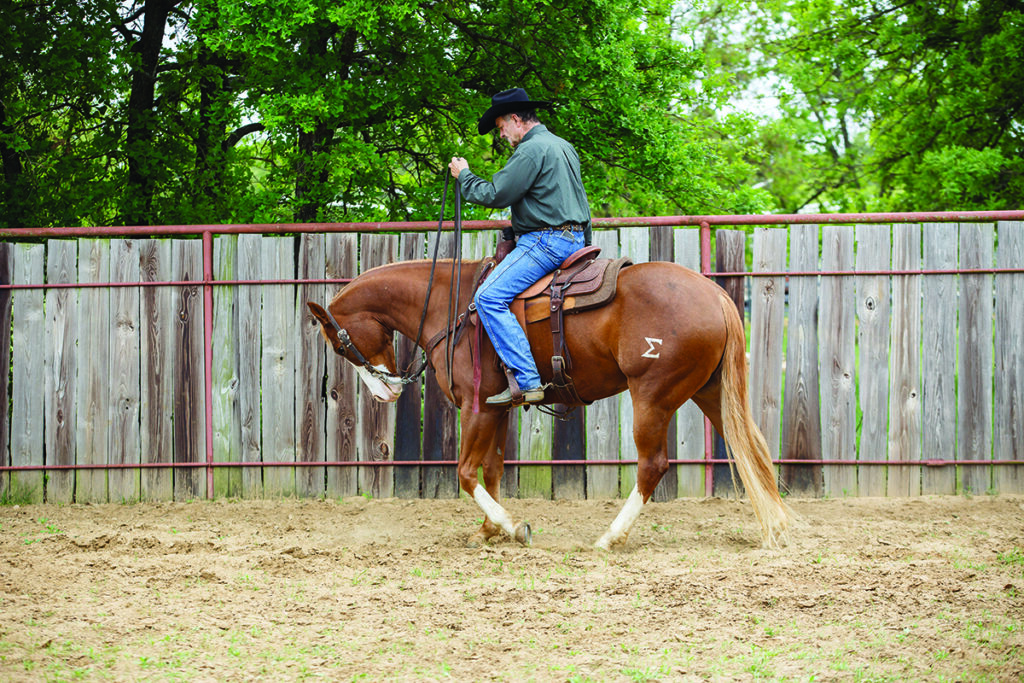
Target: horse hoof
x=477 y=540
x=523 y=533
x=607 y=542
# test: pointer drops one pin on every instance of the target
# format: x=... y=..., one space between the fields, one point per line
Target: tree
x=55 y=106
x=365 y=103
x=892 y=106
x=281 y=110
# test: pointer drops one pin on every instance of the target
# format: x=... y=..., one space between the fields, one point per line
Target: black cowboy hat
x=507 y=102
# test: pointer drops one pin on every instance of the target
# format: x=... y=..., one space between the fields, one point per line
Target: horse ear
x=325 y=319
x=327 y=323
x=320 y=314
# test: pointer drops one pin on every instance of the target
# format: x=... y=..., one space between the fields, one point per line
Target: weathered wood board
x=974 y=424
x=801 y=415
x=188 y=351
x=837 y=363
x=1008 y=422
x=27 y=426
x=938 y=358
x=157 y=369
x=61 y=357
x=873 y=291
x=310 y=366
x=767 y=333
x=125 y=440
x=91 y=443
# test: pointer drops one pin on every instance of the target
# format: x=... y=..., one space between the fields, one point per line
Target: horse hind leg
x=650 y=433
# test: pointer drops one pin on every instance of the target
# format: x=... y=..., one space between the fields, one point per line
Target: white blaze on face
x=381 y=390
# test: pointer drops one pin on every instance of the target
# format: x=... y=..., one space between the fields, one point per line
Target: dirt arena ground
x=924 y=589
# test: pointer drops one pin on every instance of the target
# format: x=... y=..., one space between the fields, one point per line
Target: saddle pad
x=584 y=279
x=593 y=287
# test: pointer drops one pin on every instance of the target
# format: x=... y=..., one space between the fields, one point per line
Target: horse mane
x=414 y=271
x=415 y=265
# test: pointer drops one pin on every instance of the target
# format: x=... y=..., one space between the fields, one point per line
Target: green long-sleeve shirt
x=541 y=184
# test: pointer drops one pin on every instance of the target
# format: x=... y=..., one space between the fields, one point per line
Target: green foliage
x=55 y=110
x=890 y=106
x=182 y=111
x=195 y=111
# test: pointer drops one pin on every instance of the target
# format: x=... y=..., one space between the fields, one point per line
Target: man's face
x=511 y=128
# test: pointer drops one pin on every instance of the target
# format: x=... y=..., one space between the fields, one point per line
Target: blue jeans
x=536 y=254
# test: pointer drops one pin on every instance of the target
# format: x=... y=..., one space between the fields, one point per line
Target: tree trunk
x=142 y=160
x=311 y=171
x=14 y=212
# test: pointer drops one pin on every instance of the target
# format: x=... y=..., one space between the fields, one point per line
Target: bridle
x=407 y=377
x=410 y=375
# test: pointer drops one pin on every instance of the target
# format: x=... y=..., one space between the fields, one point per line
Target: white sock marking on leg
x=624 y=522
x=493 y=510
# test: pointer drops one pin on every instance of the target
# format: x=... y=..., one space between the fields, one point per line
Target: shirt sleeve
x=507 y=187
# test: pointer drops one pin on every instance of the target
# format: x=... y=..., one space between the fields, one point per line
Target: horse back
x=662 y=289
x=664 y=325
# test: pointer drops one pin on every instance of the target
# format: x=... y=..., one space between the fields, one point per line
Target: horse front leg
x=493 y=468
x=483 y=439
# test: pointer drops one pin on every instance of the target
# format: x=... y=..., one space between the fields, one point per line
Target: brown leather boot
x=504 y=398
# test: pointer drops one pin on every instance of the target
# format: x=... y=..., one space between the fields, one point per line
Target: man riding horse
x=541 y=184
x=667 y=334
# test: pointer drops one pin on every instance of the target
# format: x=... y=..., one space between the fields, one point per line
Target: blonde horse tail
x=748 y=447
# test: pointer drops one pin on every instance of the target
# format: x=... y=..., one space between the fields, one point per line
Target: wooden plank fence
x=862 y=378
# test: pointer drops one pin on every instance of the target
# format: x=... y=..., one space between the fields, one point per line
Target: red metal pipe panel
x=704 y=222
x=425 y=226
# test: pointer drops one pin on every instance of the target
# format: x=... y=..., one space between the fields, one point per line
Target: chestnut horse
x=670 y=335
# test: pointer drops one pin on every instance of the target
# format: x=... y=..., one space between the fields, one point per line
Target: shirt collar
x=539 y=128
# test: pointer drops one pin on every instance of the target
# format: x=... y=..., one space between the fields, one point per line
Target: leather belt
x=572 y=227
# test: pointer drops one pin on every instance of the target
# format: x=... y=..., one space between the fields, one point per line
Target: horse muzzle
x=384 y=392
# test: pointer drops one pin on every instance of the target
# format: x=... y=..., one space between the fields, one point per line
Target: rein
x=409 y=375
x=456 y=286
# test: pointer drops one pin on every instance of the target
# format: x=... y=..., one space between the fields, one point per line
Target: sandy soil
x=926 y=589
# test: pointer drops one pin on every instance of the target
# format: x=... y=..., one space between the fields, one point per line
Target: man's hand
x=456 y=166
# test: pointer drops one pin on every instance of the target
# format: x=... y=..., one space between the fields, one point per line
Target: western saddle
x=581 y=282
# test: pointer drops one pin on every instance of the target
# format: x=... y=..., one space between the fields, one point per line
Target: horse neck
x=405 y=287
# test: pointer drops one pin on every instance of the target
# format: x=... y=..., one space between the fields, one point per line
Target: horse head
x=367 y=344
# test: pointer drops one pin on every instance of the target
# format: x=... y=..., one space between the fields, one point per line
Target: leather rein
x=450 y=333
